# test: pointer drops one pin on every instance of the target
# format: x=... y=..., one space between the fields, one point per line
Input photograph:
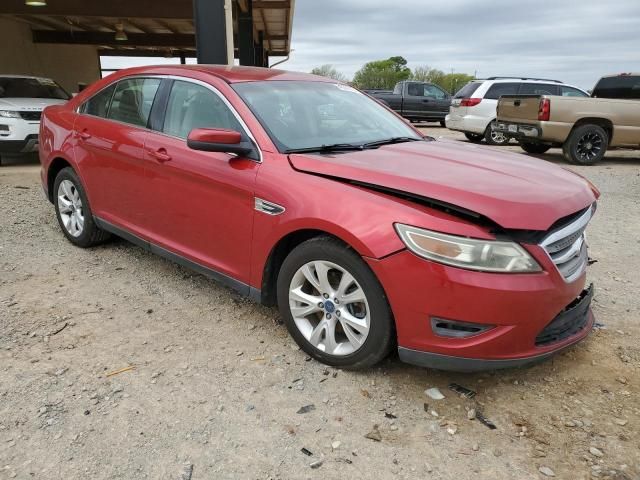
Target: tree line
x=384 y=74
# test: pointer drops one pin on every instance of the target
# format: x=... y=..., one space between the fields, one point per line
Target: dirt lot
x=217 y=382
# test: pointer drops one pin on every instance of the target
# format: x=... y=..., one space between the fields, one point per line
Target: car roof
x=230 y=74
x=520 y=80
x=630 y=74
x=2 y=75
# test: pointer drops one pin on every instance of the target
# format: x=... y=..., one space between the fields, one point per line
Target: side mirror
x=220 y=140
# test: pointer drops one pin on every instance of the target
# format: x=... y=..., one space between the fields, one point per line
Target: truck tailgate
x=518 y=108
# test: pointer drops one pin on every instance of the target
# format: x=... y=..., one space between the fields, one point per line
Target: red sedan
x=303 y=192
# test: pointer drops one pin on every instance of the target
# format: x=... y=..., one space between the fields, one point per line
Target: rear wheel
x=333 y=305
x=495 y=138
x=586 y=145
x=73 y=211
x=473 y=137
x=534 y=147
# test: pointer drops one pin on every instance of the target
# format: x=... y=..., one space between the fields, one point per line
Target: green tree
x=427 y=74
x=329 y=70
x=451 y=82
x=383 y=74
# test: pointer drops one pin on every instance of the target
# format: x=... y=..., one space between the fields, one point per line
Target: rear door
x=203 y=202
x=109 y=139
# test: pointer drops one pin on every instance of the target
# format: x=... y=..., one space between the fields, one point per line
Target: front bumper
x=28 y=145
x=518 y=307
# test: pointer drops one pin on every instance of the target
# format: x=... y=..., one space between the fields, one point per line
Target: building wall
x=66 y=64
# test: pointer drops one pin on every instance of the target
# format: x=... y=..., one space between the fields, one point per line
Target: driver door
x=204 y=201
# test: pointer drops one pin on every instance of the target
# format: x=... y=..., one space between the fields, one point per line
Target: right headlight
x=469 y=253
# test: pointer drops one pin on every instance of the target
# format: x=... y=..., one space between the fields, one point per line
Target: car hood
x=30 y=104
x=512 y=190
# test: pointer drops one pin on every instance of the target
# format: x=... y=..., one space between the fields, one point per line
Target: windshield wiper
x=335 y=147
x=388 y=141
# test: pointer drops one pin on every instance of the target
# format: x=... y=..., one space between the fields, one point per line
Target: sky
x=576 y=41
x=573 y=41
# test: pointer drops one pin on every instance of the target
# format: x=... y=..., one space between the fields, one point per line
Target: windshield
x=31 y=88
x=305 y=115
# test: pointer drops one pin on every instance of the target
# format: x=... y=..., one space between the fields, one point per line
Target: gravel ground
x=215 y=384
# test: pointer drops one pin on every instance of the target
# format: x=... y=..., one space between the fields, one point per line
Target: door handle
x=425 y=101
x=83 y=135
x=160 y=155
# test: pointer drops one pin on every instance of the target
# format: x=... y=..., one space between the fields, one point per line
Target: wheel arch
x=604 y=123
x=280 y=250
x=56 y=165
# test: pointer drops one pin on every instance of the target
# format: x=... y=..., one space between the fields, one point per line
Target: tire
x=536 y=148
x=328 y=258
x=474 y=137
x=71 y=204
x=586 y=145
x=494 y=138
x=443 y=124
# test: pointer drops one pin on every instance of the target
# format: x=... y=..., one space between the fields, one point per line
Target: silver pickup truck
x=584 y=127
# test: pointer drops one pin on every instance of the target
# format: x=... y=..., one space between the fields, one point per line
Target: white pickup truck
x=22 y=100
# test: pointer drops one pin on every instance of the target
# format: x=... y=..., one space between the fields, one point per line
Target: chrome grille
x=567 y=246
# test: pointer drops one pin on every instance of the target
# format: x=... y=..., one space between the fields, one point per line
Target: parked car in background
x=416 y=101
x=302 y=192
x=584 y=127
x=473 y=108
x=624 y=86
x=22 y=100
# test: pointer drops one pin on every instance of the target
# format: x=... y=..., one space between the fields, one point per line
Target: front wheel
x=495 y=138
x=333 y=305
x=586 y=145
x=536 y=148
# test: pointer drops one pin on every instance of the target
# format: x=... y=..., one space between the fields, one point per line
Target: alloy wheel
x=70 y=208
x=329 y=308
x=589 y=146
x=498 y=138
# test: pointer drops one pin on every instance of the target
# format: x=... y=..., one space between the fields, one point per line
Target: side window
x=132 y=100
x=538 y=89
x=498 y=89
x=415 y=90
x=194 y=106
x=434 y=92
x=571 y=92
x=98 y=105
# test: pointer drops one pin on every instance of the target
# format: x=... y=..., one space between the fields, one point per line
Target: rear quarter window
x=467 y=90
x=622 y=86
x=498 y=89
x=538 y=89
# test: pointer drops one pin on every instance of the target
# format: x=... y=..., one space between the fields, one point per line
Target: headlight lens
x=473 y=254
x=9 y=114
